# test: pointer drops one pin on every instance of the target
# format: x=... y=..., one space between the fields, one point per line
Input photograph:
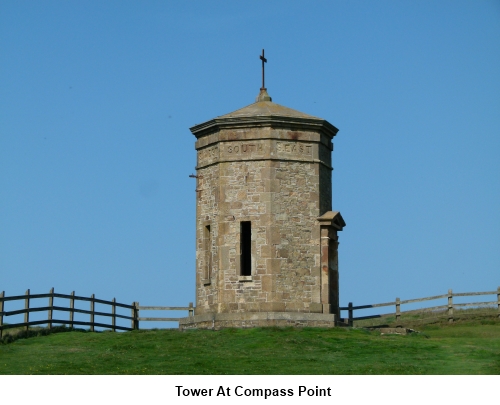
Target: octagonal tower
x=266 y=238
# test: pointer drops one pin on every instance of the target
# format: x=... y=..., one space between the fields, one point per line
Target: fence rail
x=50 y=321
x=448 y=308
x=190 y=310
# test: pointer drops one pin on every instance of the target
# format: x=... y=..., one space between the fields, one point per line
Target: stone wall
x=280 y=180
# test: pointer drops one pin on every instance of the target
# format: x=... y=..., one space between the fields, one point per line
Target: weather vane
x=264 y=60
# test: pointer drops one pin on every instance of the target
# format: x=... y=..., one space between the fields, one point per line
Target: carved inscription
x=295 y=148
x=208 y=155
x=244 y=148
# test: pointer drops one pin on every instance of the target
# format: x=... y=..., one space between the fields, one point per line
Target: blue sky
x=96 y=101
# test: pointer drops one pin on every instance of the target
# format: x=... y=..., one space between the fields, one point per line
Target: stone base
x=257 y=319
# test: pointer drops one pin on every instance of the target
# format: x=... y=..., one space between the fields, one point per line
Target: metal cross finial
x=264 y=60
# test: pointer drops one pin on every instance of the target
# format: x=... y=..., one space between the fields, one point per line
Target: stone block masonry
x=263 y=185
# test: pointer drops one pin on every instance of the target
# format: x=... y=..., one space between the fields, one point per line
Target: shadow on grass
x=20 y=333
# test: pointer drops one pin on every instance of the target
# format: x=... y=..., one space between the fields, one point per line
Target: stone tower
x=266 y=238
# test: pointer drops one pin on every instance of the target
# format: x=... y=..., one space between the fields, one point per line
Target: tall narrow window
x=207 y=239
x=246 y=248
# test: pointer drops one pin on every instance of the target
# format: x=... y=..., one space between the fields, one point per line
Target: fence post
x=137 y=315
x=51 y=305
x=113 y=311
x=27 y=307
x=350 y=321
x=498 y=302
x=398 y=309
x=92 y=312
x=191 y=309
x=450 y=306
x=2 y=294
x=132 y=314
x=72 y=307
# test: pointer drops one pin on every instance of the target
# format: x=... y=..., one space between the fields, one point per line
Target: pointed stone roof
x=332 y=218
x=264 y=113
x=267 y=108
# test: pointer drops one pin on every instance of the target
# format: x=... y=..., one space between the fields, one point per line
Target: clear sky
x=97 y=98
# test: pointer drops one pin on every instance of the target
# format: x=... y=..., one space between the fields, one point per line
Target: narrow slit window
x=208 y=252
x=246 y=248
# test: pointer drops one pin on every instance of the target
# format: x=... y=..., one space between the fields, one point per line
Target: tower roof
x=267 y=108
x=264 y=113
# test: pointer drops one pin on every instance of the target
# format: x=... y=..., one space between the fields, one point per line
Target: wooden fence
x=447 y=309
x=134 y=323
x=134 y=318
x=190 y=310
x=50 y=308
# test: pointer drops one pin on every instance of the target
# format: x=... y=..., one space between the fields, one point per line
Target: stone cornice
x=273 y=121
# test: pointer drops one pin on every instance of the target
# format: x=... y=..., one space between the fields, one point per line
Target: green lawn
x=471 y=347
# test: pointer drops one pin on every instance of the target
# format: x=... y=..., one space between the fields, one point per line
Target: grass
x=465 y=347
x=421 y=317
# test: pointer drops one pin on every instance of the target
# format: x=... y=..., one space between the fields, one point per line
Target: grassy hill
x=468 y=347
